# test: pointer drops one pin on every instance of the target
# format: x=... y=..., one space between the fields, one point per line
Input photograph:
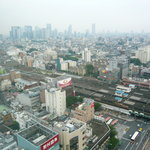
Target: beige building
x=5 y=84
x=72 y=134
x=85 y=111
x=143 y=54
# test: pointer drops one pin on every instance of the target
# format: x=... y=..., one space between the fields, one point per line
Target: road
x=126 y=143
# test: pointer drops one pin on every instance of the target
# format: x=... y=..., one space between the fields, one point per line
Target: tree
x=113 y=141
x=15 y=125
x=71 y=100
x=89 y=69
x=97 y=106
x=135 y=61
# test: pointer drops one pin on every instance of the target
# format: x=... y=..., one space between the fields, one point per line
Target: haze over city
x=108 y=15
x=74 y=75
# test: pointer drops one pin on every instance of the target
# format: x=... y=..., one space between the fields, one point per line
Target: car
x=140 y=129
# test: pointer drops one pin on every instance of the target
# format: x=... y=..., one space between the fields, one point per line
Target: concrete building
x=38 y=137
x=5 y=84
x=64 y=66
x=29 y=98
x=7 y=142
x=22 y=84
x=85 y=111
x=10 y=76
x=86 y=55
x=55 y=101
x=72 y=134
x=143 y=54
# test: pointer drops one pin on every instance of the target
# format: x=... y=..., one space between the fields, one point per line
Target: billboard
x=65 y=82
x=51 y=142
x=92 y=104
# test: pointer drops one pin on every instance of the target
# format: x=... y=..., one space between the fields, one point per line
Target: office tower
x=48 y=30
x=37 y=33
x=15 y=33
x=86 y=55
x=69 y=30
x=143 y=54
x=28 y=34
x=55 y=101
x=93 y=29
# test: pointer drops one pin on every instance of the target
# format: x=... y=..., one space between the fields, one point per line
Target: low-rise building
x=38 y=137
x=7 y=142
x=85 y=111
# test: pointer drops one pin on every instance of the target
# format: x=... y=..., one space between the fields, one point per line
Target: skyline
x=108 y=15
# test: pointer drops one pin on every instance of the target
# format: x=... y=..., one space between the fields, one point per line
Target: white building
x=72 y=63
x=64 y=66
x=143 y=54
x=86 y=55
x=55 y=100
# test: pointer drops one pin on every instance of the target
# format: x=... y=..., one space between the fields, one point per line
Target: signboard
x=51 y=142
x=92 y=104
x=64 y=83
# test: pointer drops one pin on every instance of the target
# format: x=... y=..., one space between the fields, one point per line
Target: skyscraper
x=15 y=33
x=69 y=30
x=28 y=32
x=48 y=30
x=93 y=29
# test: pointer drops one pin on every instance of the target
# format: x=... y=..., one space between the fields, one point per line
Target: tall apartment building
x=85 y=111
x=55 y=100
x=86 y=55
x=143 y=54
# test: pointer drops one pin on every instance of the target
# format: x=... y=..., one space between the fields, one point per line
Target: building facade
x=55 y=100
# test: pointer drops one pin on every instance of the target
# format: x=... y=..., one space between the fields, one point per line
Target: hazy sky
x=112 y=15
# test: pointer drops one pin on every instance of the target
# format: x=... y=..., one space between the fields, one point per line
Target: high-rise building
x=93 y=29
x=69 y=30
x=55 y=101
x=48 y=30
x=28 y=32
x=15 y=33
x=143 y=54
x=86 y=55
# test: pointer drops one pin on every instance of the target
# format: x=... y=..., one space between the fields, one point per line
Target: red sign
x=65 y=83
x=92 y=105
x=51 y=142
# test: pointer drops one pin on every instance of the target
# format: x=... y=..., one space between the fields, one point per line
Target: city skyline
x=119 y=15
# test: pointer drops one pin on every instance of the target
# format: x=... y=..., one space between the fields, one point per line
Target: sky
x=108 y=15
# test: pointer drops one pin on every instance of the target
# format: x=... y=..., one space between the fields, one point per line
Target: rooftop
x=69 y=125
x=37 y=134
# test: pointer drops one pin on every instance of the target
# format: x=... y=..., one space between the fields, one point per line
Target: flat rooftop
x=68 y=125
x=99 y=131
x=37 y=134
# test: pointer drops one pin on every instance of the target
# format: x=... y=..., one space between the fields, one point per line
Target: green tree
x=15 y=125
x=71 y=100
x=89 y=69
x=97 y=106
x=113 y=141
x=135 y=61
